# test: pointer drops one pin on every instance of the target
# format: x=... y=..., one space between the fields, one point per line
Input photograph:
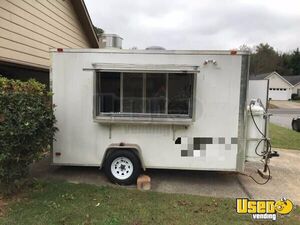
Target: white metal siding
x=296 y=89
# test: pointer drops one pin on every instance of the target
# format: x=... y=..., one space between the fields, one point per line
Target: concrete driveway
x=285 y=182
x=286 y=104
x=285 y=172
x=284 y=117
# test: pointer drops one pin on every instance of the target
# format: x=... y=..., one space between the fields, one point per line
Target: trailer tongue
x=258 y=135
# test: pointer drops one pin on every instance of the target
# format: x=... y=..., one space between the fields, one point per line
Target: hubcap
x=121 y=168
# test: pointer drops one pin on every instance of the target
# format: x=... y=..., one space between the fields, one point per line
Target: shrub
x=26 y=128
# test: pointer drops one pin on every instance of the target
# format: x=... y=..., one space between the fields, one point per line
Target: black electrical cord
x=267 y=143
x=260 y=183
x=267 y=146
x=251 y=113
x=265 y=154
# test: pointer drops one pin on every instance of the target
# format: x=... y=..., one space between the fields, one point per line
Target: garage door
x=279 y=94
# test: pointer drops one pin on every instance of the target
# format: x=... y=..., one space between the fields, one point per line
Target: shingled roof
x=293 y=79
x=259 y=76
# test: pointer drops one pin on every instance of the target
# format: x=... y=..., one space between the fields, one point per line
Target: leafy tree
x=264 y=60
x=283 y=66
x=294 y=62
x=245 y=47
x=98 y=31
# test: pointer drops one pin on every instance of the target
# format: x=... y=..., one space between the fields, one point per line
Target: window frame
x=160 y=118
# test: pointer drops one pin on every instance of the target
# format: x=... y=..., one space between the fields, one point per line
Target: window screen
x=133 y=92
x=180 y=93
x=156 y=93
x=153 y=94
x=110 y=92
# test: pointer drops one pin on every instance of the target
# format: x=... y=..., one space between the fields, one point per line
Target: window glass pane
x=180 y=93
x=133 y=92
x=145 y=96
x=110 y=92
x=155 y=93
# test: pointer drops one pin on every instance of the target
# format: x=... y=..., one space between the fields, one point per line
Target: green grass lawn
x=282 y=137
x=64 y=203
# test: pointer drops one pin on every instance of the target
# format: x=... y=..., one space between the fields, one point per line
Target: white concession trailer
x=130 y=109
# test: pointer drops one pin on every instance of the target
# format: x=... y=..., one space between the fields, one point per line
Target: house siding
x=28 y=28
x=277 y=82
x=296 y=88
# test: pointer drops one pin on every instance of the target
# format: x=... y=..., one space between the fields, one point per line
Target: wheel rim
x=121 y=168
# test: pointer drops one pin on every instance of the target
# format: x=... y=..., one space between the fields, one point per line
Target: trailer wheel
x=122 y=167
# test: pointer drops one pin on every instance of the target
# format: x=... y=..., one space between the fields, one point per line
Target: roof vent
x=110 y=41
x=155 y=48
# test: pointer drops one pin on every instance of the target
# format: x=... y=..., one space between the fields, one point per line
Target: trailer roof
x=143 y=51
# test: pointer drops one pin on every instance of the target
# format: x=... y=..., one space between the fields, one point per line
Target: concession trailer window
x=144 y=93
x=137 y=94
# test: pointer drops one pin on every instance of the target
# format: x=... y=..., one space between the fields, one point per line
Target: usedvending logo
x=263 y=209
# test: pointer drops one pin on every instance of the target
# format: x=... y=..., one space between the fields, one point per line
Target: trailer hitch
x=265 y=174
x=271 y=155
x=274 y=154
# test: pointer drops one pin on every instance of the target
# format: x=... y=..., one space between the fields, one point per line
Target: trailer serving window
x=145 y=94
x=160 y=95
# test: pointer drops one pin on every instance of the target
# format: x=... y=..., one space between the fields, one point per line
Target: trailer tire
x=122 y=167
x=295 y=126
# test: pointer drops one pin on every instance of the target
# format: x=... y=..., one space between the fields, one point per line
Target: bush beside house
x=26 y=128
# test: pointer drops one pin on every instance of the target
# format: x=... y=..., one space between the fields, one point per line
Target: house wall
x=277 y=82
x=296 y=89
x=28 y=28
x=278 y=88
